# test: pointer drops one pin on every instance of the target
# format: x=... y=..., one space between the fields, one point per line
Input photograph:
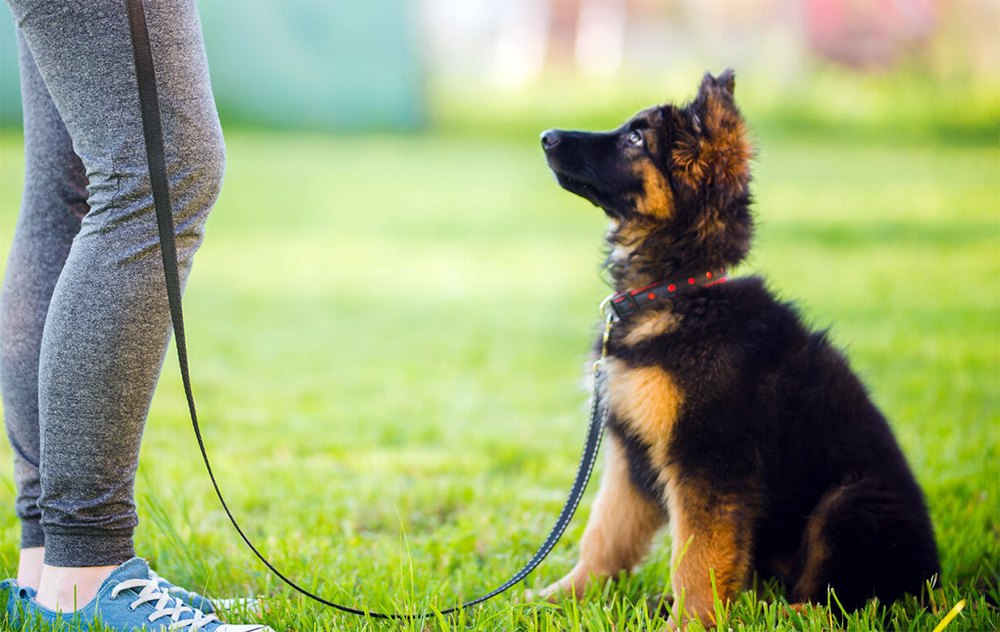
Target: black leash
x=153 y=132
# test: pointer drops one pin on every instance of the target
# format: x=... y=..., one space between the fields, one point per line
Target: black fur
x=773 y=412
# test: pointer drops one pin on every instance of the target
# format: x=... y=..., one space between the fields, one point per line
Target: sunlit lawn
x=387 y=338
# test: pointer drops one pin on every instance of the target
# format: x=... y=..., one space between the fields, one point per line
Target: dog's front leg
x=712 y=535
x=621 y=526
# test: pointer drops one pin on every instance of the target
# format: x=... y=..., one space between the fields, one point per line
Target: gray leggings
x=84 y=323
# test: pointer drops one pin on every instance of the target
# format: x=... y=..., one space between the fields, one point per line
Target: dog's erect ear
x=715 y=103
x=723 y=85
x=727 y=80
x=717 y=153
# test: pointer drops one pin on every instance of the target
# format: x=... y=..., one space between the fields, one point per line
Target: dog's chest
x=645 y=403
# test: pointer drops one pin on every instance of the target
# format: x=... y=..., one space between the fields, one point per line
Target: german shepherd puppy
x=728 y=417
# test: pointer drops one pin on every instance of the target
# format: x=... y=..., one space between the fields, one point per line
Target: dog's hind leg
x=621 y=527
x=866 y=539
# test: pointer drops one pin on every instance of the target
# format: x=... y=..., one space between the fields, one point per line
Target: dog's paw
x=527 y=596
x=552 y=593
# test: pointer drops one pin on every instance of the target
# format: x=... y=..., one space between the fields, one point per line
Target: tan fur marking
x=818 y=553
x=721 y=155
x=810 y=583
x=646 y=399
x=651 y=138
x=657 y=199
x=691 y=166
x=650 y=324
x=732 y=152
x=619 y=531
x=706 y=534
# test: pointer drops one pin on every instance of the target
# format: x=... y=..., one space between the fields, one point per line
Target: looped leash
x=153 y=133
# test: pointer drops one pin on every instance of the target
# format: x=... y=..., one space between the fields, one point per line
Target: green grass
x=387 y=336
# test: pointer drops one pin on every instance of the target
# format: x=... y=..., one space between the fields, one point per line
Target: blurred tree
x=342 y=66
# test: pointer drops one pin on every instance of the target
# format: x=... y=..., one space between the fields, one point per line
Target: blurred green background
x=390 y=313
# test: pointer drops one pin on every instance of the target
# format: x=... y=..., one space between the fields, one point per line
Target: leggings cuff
x=88 y=549
x=32 y=535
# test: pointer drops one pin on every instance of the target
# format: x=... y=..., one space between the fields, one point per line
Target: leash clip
x=604 y=306
x=608 y=315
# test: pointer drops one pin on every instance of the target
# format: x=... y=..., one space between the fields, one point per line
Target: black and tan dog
x=729 y=419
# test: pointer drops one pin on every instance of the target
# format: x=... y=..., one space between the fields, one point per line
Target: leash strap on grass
x=153 y=132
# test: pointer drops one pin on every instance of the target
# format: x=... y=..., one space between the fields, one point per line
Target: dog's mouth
x=577 y=186
x=574 y=184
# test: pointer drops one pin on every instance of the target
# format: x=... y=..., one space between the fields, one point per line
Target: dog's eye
x=635 y=138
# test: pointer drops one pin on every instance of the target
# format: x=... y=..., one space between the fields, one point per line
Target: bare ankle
x=69 y=589
x=29 y=567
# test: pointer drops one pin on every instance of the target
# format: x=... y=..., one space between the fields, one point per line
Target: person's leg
x=107 y=325
x=53 y=201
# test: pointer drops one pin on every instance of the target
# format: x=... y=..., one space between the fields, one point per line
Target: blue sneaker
x=130 y=601
x=193 y=599
x=12 y=594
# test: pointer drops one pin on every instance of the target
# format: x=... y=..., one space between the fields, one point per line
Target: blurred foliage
x=832 y=103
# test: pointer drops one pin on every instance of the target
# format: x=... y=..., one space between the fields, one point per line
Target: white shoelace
x=176 y=590
x=166 y=606
x=250 y=604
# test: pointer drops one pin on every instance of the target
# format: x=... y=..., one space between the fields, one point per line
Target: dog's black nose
x=550 y=138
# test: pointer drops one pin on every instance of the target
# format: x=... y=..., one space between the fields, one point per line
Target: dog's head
x=673 y=179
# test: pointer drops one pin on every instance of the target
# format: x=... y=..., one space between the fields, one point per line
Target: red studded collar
x=628 y=303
